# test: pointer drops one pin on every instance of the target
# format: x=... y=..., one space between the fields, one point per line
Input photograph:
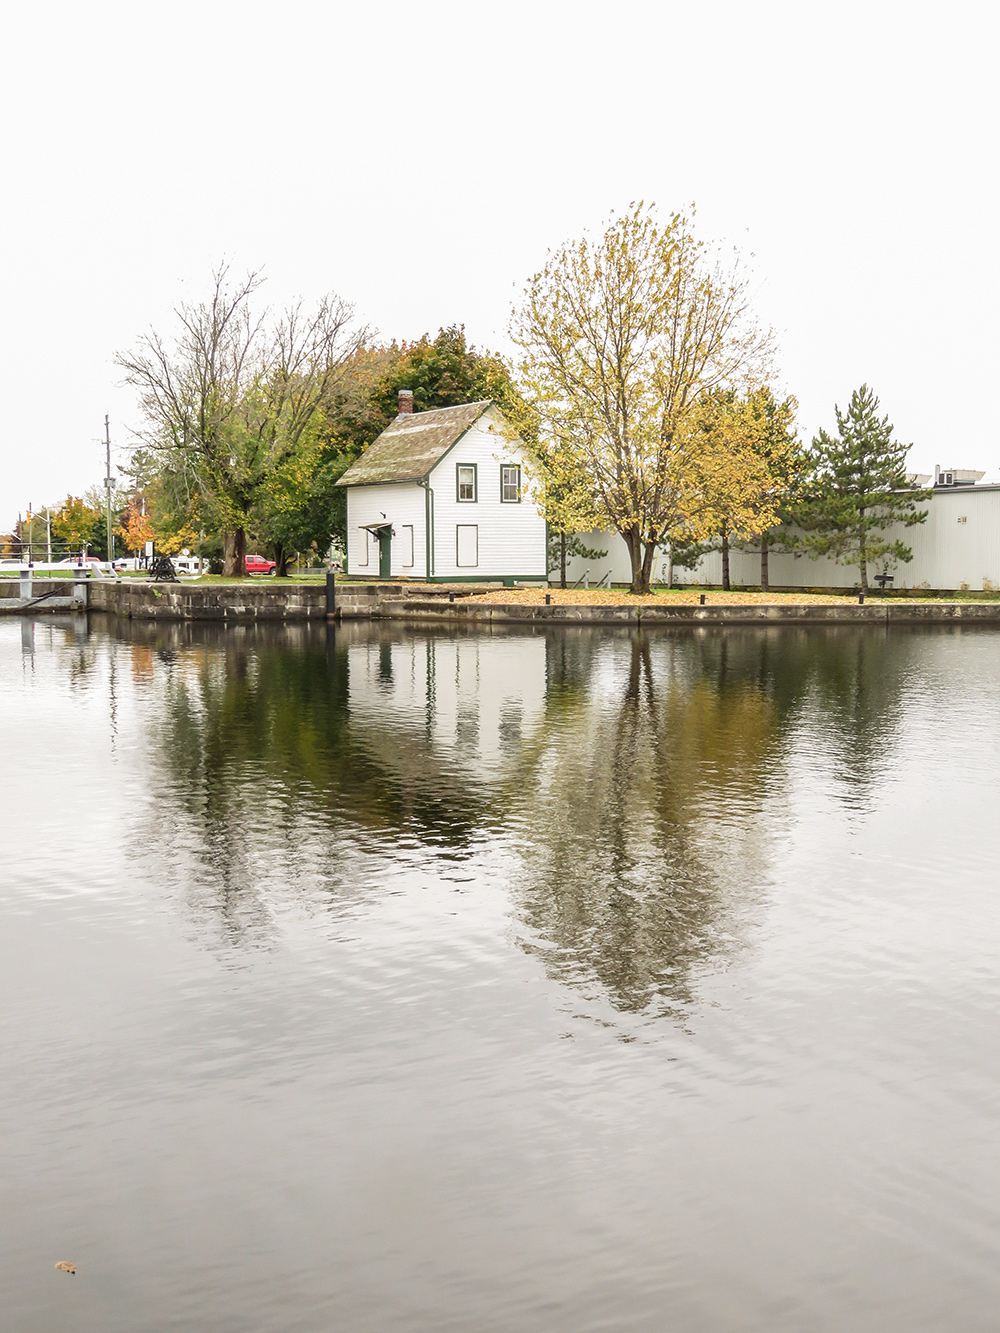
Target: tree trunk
x=645 y=570
x=562 y=559
x=725 y=558
x=765 y=573
x=863 y=557
x=670 y=567
x=634 y=543
x=234 y=548
x=280 y=560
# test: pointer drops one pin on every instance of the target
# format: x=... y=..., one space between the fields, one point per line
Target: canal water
x=377 y=981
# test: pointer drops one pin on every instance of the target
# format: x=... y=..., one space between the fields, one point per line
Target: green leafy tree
x=859 y=490
x=298 y=508
x=443 y=371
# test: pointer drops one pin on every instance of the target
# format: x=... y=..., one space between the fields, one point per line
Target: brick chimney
x=405 y=401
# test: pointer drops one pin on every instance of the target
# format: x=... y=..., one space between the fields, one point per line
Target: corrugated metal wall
x=958 y=543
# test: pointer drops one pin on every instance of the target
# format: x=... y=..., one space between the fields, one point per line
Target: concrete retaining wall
x=873 y=613
x=140 y=600
x=241 y=603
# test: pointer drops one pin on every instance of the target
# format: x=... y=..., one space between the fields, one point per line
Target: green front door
x=385 y=553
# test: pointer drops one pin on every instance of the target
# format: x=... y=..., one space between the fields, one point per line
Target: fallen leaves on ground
x=65 y=1267
x=678 y=597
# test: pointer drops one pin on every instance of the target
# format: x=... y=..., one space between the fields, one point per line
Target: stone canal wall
x=783 y=613
x=141 y=600
x=395 y=601
x=251 y=602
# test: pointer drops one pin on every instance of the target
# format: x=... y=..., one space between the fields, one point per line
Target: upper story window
x=466 y=481
x=510 y=483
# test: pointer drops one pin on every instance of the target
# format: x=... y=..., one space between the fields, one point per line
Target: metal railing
x=98 y=569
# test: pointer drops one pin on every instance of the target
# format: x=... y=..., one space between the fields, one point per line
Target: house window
x=363 y=558
x=406 y=542
x=510 y=483
x=466 y=482
x=467 y=545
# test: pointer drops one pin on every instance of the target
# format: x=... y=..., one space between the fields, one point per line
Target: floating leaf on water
x=64 y=1267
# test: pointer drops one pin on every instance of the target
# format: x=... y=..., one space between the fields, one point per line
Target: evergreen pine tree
x=859 y=490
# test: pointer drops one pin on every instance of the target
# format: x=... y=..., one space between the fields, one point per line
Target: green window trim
x=516 y=469
x=467 y=499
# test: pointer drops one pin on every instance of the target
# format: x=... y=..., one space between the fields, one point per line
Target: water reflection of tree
x=642 y=799
x=266 y=782
x=638 y=853
x=655 y=791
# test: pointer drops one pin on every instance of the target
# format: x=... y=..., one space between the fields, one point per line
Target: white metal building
x=959 y=543
x=441 y=495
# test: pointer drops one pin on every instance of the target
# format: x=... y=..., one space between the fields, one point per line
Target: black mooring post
x=331 y=594
x=861 y=599
x=701 y=600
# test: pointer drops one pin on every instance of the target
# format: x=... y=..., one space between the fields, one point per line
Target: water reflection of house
x=467 y=700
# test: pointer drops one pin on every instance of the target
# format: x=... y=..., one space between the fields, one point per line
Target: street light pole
x=107 y=486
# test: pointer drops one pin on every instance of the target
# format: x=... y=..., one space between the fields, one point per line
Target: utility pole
x=107 y=486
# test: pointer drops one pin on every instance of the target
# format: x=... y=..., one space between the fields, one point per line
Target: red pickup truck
x=256 y=564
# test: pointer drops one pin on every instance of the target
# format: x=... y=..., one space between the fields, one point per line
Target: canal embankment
x=474 y=605
x=769 y=613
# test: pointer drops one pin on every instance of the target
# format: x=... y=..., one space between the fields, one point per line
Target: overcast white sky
x=419 y=160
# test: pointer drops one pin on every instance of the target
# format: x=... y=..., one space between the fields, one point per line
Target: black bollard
x=548 y=599
x=451 y=597
x=331 y=594
x=701 y=599
x=861 y=599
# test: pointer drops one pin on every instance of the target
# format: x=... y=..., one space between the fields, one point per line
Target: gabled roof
x=411 y=445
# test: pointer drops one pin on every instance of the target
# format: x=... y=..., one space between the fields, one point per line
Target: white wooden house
x=442 y=495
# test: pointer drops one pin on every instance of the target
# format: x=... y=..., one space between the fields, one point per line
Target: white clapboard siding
x=510 y=536
x=402 y=504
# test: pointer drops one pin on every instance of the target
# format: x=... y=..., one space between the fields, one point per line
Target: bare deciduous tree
x=228 y=399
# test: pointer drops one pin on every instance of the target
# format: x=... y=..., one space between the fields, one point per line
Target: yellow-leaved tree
x=620 y=337
x=558 y=482
x=748 y=461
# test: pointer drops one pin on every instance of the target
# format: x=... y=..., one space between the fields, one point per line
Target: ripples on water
x=391 y=981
